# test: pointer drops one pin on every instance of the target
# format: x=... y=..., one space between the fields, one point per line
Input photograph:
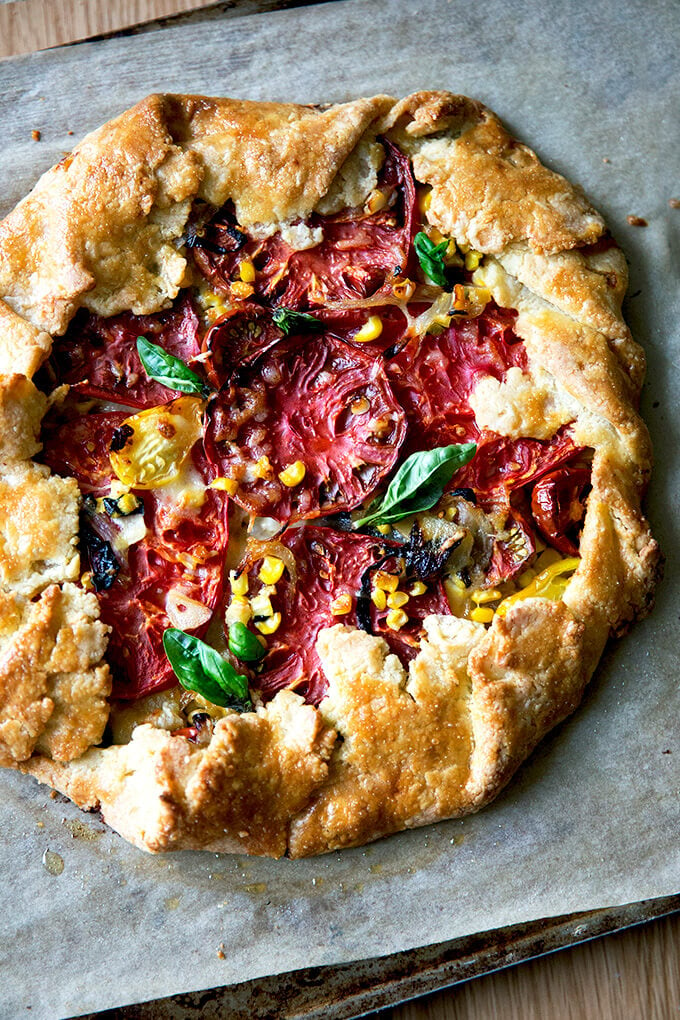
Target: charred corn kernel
x=376 y=201
x=238 y=611
x=396 y=618
x=370 y=330
x=551 y=583
x=127 y=503
x=246 y=271
x=341 y=605
x=397 y=599
x=472 y=259
x=239 y=585
x=384 y=529
x=425 y=201
x=418 y=588
x=293 y=474
x=241 y=290
x=491 y=595
x=482 y=614
x=385 y=581
x=403 y=289
x=459 y=300
x=525 y=578
x=224 y=484
x=271 y=570
x=379 y=598
x=270 y=625
x=261 y=605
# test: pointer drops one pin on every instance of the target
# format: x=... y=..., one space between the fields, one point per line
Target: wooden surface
x=633 y=975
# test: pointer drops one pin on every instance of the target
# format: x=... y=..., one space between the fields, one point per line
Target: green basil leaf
x=199 y=668
x=419 y=483
x=295 y=322
x=168 y=370
x=431 y=258
x=244 y=644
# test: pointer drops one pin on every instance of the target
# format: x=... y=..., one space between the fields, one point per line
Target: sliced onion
x=257 y=550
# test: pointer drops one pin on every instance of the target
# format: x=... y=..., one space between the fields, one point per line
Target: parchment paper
x=593 y=818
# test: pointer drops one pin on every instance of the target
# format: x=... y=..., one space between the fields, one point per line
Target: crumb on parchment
x=35 y=135
x=637 y=221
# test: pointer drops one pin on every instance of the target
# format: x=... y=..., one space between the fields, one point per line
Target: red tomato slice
x=558 y=506
x=183 y=549
x=329 y=564
x=98 y=357
x=311 y=399
x=357 y=255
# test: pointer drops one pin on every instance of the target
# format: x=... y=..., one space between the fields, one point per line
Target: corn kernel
x=458 y=582
x=396 y=618
x=397 y=599
x=376 y=201
x=482 y=614
x=241 y=290
x=246 y=271
x=238 y=611
x=86 y=581
x=239 y=585
x=480 y=597
x=419 y=588
x=370 y=330
x=261 y=605
x=472 y=259
x=293 y=474
x=388 y=582
x=342 y=604
x=437 y=236
x=425 y=201
x=384 y=529
x=403 y=289
x=263 y=468
x=224 y=484
x=360 y=405
x=379 y=598
x=270 y=625
x=271 y=570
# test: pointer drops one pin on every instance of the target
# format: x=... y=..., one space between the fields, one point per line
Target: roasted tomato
x=354 y=257
x=558 y=506
x=337 y=571
x=310 y=428
x=237 y=339
x=172 y=576
x=98 y=357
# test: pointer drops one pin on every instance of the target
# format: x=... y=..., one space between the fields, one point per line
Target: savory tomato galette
x=320 y=468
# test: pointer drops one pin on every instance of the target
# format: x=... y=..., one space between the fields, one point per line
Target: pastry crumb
x=36 y=135
x=220 y=952
x=674 y=203
x=606 y=159
x=637 y=221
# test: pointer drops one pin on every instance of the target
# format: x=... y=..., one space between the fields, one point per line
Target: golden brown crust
x=102 y=230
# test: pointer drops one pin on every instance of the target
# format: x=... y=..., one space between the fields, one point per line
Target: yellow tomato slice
x=157 y=442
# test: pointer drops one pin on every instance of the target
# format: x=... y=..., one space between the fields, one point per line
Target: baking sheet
x=593 y=819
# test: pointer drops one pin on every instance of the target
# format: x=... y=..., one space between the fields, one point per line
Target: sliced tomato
x=558 y=506
x=98 y=357
x=237 y=339
x=315 y=401
x=356 y=257
x=183 y=550
x=331 y=564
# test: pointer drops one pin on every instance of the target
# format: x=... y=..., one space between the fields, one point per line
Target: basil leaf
x=431 y=258
x=295 y=322
x=419 y=482
x=168 y=370
x=199 y=668
x=244 y=644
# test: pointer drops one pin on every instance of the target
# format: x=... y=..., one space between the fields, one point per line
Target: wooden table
x=633 y=975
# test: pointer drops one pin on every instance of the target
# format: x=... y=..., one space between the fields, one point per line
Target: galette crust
x=388 y=748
